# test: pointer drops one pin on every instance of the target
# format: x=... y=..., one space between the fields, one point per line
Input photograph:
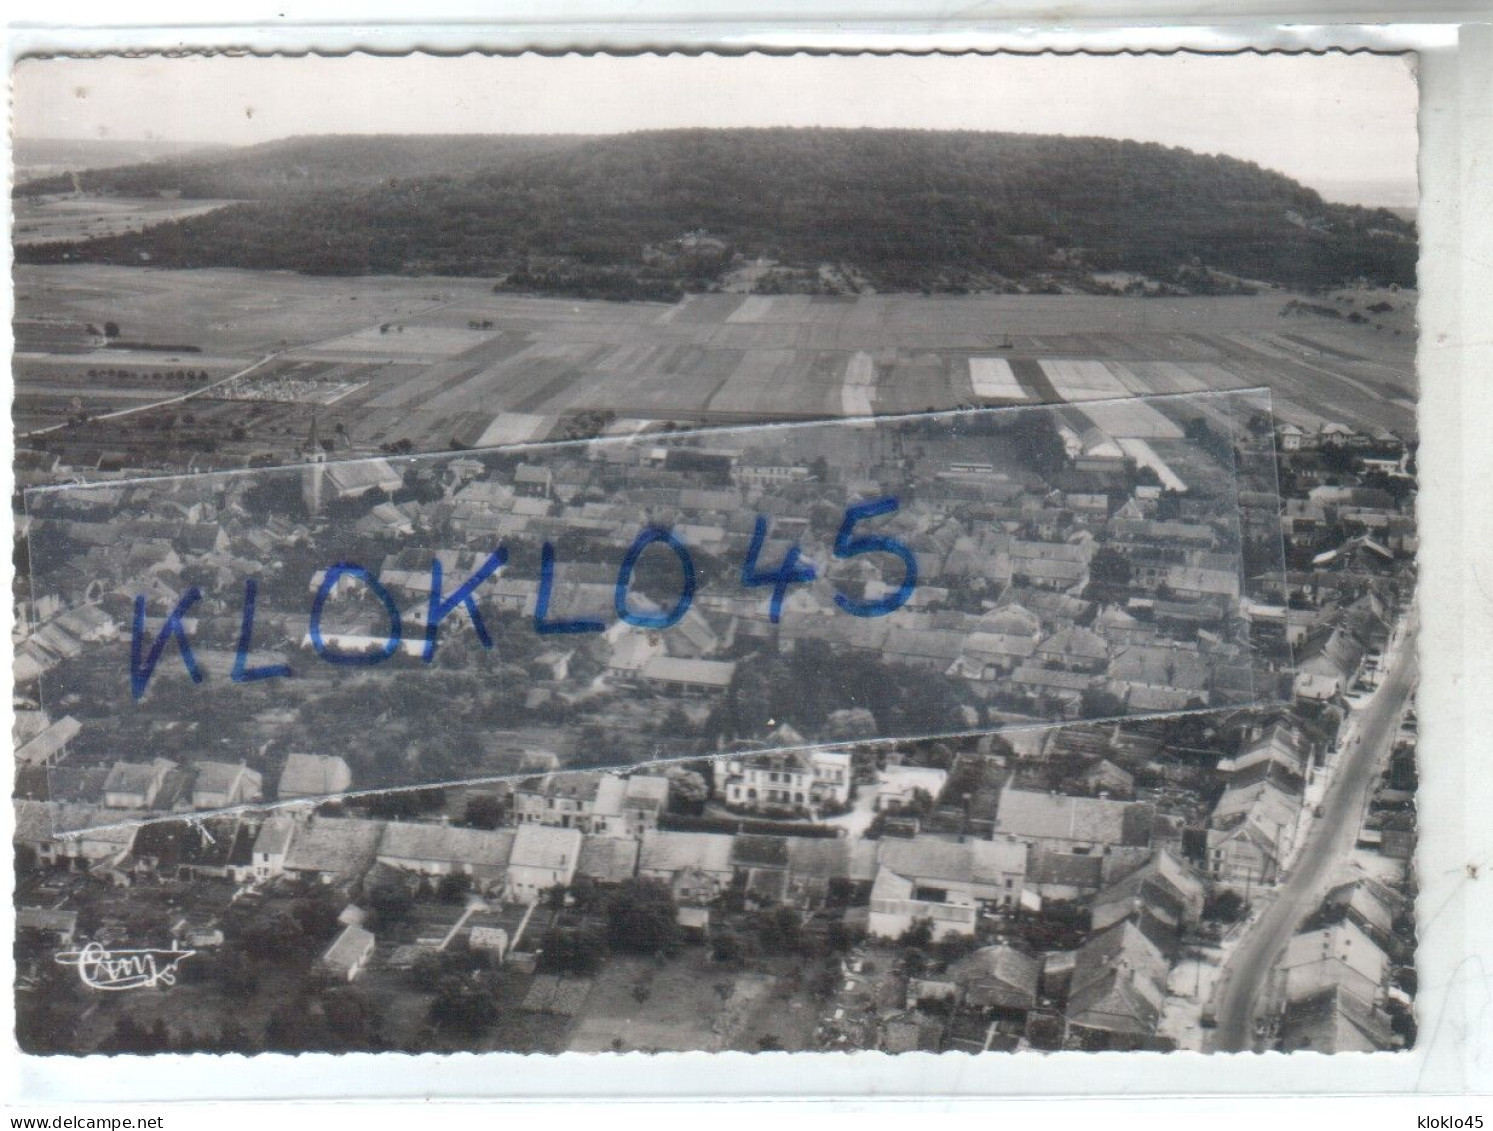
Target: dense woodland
x=904 y=209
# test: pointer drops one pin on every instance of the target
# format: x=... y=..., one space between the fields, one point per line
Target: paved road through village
x=1330 y=839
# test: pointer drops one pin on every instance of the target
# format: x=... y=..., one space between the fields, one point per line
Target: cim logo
x=102 y=969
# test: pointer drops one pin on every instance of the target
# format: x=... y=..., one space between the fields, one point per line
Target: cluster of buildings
x=1069 y=594
x=1040 y=595
x=1335 y=988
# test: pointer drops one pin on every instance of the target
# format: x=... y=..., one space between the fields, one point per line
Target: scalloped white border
x=1456 y=364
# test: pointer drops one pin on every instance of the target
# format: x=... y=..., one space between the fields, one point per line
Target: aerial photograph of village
x=656 y=582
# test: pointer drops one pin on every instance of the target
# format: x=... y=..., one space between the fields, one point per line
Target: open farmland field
x=231 y=313
x=64 y=219
x=442 y=363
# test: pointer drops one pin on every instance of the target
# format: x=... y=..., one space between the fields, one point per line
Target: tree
x=642 y=918
x=454 y=887
x=272 y=936
x=780 y=931
x=352 y=1021
x=111 y=329
x=688 y=792
x=316 y=914
x=390 y=900
x=1224 y=906
x=918 y=934
x=1109 y=567
x=465 y=1006
x=675 y=723
x=237 y=975
x=579 y=952
x=1096 y=703
x=483 y=811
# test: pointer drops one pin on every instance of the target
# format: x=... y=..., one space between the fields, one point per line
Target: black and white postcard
x=716 y=554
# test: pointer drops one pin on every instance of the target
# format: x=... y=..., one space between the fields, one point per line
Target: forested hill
x=298 y=165
x=897 y=209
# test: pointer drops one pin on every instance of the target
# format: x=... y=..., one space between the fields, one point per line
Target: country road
x=1330 y=839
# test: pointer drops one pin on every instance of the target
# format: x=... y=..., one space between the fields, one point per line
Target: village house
x=308 y=776
x=1118 y=987
x=631 y=651
x=943 y=882
x=897 y=786
x=607 y=860
x=897 y=904
x=1291 y=437
x=349 y=954
x=1164 y=896
x=443 y=850
x=1063 y=877
x=56 y=927
x=596 y=803
x=1333 y=1020
x=271 y=846
x=1369 y=904
x=991 y=656
x=818 y=864
x=790 y=779
x=49 y=746
x=1253 y=826
x=1105 y=779
x=672 y=675
x=1083 y=825
x=85 y=835
x=697 y=867
x=759 y=866
x=222 y=785
x=542 y=857
x=334 y=850
x=1074 y=649
x=137 y=785
x=1327 y=662
x=533 y=481
x=1341 y=955
x=999 y=981
x=1281 y=743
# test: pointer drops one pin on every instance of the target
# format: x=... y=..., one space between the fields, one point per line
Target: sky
x=1335 y=122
